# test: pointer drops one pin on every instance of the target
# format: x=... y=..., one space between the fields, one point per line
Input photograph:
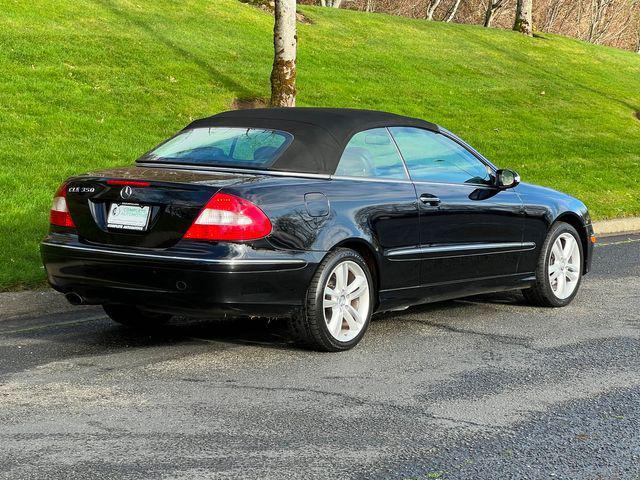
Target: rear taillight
x=227 y=217
x=59 y=210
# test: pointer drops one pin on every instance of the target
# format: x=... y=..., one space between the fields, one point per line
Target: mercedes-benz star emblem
x=126 y=192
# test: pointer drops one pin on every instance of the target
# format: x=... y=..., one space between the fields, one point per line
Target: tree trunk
x=524 y=17
x=492 y=9
x=331 y=3
x=453 y=11
x=488 y=16
x=431 y=10
x=283 y=75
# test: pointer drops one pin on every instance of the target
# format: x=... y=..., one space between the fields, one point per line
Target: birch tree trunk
x=524 y=17
x=285 y=40
x=431 y=10
x=488 y=16
x=453 y=11
x=492 y=9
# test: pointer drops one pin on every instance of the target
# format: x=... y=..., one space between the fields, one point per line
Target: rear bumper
x=192 y=279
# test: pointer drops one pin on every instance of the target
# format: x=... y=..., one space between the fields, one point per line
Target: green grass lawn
x=93 y=84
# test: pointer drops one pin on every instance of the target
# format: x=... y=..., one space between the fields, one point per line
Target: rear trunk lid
x=142 y=207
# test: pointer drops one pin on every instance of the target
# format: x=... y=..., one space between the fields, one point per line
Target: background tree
x=285 y=43
x=331 y=3
x=431 y=8
x=451 y=14
x=524 y=17
x=553 y=14
x=607 y=22
x=610 y=20
x=492 y=8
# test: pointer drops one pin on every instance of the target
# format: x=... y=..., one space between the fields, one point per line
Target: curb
x=618 y=225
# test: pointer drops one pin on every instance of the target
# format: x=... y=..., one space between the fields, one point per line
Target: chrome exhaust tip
x=74 y=298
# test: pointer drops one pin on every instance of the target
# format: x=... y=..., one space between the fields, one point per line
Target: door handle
x=430 y=200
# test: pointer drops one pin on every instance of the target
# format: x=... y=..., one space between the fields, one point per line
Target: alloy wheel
x=564 y=266
x=346 y=301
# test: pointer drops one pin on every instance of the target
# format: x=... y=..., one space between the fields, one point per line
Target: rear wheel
x=339 y=303
x=559 y=271
x=133 y=317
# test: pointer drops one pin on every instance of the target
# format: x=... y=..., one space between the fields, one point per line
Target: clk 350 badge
x=81 y=189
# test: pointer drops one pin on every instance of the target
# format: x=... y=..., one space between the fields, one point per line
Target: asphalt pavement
x=484 y=387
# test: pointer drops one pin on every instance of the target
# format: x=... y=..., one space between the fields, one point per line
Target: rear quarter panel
x=380 y=215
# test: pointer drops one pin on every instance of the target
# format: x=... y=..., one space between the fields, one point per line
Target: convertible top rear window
x=222 y=146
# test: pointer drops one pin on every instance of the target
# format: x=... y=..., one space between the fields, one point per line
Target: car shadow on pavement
x=510 y=298
x=67 y=334
x=267 y=332
x=274 y=333
x=501 y=298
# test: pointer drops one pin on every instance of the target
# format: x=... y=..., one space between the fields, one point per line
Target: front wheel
x=339 y=303
x=559 y=270
x=133 y=317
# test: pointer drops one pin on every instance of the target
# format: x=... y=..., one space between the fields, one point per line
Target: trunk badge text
x=126 y=192
x=81 y=189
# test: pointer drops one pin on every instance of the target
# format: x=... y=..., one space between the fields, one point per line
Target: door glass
x=371 y=154
x=433 y=157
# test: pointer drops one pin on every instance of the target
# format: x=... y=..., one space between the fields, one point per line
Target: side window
x=433 y=157
x=371 y=154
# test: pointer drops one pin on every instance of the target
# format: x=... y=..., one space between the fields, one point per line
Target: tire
x=311 y=327
x=132 y=317
x=545 y=292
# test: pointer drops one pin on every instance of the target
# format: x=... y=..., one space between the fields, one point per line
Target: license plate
x=128 y=216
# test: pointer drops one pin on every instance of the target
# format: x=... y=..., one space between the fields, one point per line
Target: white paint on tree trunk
x=285 y=42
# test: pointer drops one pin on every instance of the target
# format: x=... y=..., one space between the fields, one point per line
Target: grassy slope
x=92 y=84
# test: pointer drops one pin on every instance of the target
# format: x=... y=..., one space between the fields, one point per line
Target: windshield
x=222 y=146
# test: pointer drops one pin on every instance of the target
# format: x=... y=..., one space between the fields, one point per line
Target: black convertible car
x=323 y=216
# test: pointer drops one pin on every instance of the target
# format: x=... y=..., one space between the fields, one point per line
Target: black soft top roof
x=320 y=134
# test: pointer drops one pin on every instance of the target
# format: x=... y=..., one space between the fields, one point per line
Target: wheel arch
x=367 y=251
x=576 y=222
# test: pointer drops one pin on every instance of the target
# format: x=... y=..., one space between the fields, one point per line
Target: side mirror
x=507 y=179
